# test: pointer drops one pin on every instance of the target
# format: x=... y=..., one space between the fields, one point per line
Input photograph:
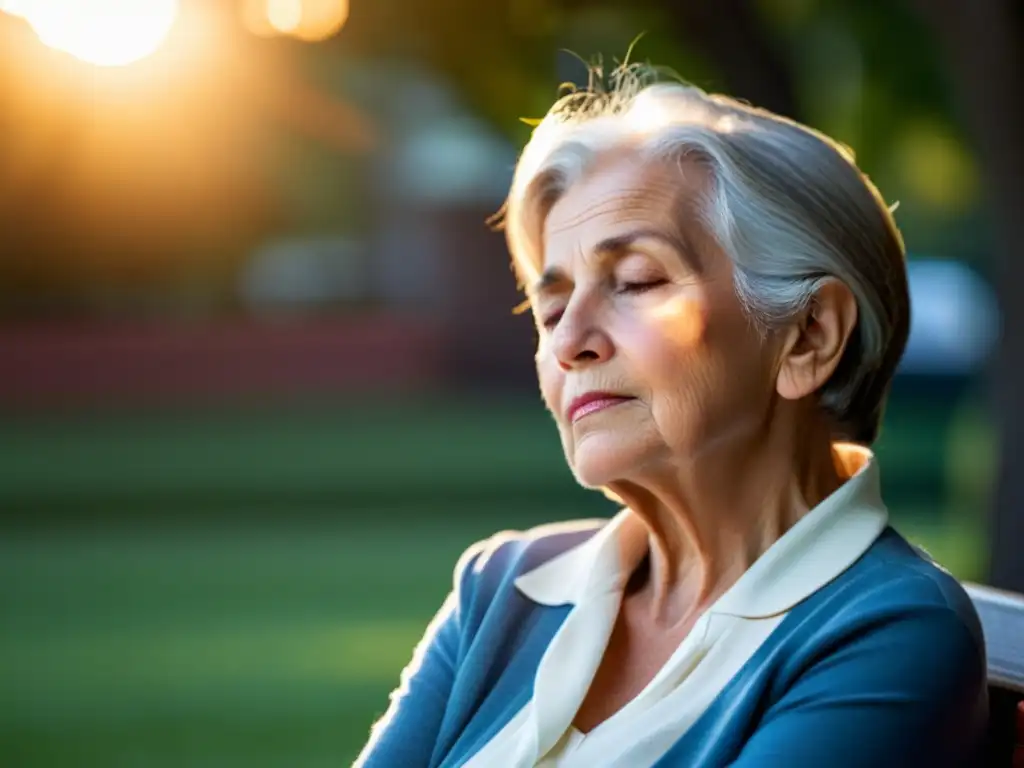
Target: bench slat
x=1002 y=619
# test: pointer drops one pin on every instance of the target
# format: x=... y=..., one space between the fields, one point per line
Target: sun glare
x=107 y=33
x=284 y=15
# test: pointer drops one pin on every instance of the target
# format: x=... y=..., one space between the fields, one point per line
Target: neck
x=709 y=518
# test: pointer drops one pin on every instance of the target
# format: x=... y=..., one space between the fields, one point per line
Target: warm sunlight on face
x=106 y=33
x=640 y=308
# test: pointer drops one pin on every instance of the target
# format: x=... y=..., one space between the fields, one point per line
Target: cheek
x=718 y=363
x=681 y=322
x=551 y=379
x=697 y=364
x=669 y=347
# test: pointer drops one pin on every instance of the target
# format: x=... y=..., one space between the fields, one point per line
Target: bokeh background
x=260 y=379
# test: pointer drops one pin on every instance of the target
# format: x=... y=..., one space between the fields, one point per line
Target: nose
x=579 y=343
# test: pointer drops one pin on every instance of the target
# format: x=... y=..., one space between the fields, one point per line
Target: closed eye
x=641 y=287
x=634 y=287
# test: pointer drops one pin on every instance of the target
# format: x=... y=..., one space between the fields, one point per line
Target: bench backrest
x=1002 y=618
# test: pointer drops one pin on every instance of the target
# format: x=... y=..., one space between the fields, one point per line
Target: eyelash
x=642 y=287
x=627 y=288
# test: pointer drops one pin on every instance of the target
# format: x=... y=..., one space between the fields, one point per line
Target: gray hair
x=787 y=204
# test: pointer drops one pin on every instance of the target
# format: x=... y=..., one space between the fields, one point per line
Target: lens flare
x=309 y=20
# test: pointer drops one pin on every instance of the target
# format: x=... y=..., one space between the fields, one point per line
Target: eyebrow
x=617 y=246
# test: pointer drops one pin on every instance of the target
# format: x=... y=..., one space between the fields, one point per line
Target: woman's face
x=637 y=315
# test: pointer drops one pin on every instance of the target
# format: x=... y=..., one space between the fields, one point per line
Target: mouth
x=592 y=402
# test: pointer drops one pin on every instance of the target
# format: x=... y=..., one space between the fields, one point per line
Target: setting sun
x=106 y=33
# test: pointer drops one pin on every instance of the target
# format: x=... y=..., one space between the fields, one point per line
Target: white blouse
x=592 y=576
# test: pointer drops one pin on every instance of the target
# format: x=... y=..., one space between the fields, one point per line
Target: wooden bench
x=1002 y=618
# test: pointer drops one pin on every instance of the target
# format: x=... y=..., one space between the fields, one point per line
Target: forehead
x=620 y=192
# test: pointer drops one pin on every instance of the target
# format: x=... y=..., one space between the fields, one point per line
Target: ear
x=814 y=344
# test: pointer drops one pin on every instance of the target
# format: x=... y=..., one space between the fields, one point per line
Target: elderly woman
x=721 y=302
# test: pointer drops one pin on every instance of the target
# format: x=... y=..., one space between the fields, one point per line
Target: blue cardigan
x=884 y=666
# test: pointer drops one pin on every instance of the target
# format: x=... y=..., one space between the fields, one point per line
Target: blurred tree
x=731 y=34
x=863 y=71
x=982 y=40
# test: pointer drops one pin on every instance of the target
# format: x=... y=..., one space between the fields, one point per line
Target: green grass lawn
x=273 y=647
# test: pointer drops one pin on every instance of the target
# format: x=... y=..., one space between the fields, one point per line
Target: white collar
x=818 y=548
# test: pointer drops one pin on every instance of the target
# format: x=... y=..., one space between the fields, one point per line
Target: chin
x=600 y=459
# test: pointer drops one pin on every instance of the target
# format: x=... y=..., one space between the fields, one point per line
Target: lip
x=592 y=402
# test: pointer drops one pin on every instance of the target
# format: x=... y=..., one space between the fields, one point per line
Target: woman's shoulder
x=914 y=575
x=898 y=586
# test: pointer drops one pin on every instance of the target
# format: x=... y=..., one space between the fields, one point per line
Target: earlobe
x=814 y=343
